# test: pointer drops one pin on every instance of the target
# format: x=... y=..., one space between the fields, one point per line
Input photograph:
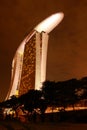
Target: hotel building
x=29 y=62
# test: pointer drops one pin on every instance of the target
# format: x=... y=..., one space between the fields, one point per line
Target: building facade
x=29 y=62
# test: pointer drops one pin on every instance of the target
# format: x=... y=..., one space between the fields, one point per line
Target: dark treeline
x=52 y=94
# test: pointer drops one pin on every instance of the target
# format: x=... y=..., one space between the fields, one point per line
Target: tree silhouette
x=60 y=94
x=30 y=99
x=52 y=94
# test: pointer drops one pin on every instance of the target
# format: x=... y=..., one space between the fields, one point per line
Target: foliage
x=54 y=94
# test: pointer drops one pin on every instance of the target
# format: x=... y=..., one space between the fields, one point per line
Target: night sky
x=67 y=49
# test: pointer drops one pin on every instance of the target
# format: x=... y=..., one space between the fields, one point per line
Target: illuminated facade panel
x=28 y=68
x=34 y=63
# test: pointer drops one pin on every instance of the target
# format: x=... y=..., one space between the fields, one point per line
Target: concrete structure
x=29 y=62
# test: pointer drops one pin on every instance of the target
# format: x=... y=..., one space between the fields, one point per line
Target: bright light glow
x=50 y=23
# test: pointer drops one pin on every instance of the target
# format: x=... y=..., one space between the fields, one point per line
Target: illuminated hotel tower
x=29 y=62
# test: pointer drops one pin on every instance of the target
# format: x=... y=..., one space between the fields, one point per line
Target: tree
x=30 y=99
x=60 y=94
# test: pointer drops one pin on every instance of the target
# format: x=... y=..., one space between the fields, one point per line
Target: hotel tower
x=29 y=62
